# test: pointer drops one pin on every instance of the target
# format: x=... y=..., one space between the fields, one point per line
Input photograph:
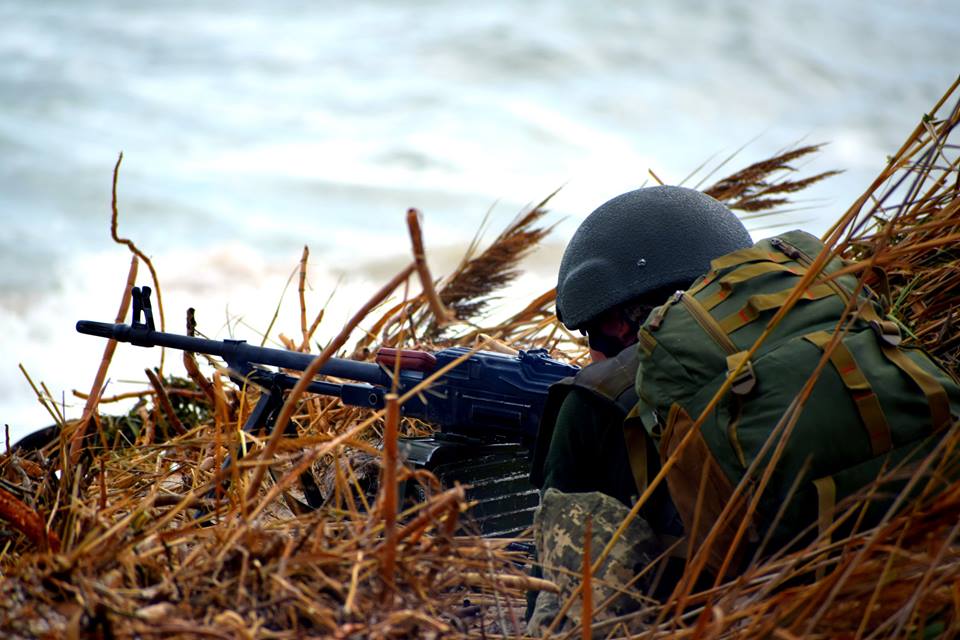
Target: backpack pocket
x=699 y=487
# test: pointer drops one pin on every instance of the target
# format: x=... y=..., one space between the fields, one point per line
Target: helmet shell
x=639 y=242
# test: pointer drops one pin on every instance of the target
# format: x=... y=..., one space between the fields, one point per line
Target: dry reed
x=764 y=185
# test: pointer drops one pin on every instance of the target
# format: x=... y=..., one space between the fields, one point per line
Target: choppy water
x=252 y=128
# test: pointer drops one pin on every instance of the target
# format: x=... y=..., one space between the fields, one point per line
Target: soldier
x=626 y=258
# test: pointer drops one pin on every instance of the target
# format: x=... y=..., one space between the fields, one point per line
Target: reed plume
x=764 y=185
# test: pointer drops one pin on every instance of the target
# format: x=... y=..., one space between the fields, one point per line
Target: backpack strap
x=743 y=274
x=556 y=394
x=747 y=378
x=889 y=338
x=612 y=380
x=736 y=413
x=765 y=302
x=868 y=405
x=936 y=394
x=826 y=502
x=755 y=253
x=636 y=436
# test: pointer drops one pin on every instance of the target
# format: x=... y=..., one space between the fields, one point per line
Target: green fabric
x=605 y=396
x=684 y=364
x=587 y=451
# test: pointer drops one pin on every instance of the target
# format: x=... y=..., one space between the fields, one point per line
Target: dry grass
x=765 y=185
x=147 y=540
x=911 y=228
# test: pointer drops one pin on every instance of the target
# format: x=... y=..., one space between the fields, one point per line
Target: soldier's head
x=632 y=252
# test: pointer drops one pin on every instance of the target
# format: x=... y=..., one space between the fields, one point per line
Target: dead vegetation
x=130 y=529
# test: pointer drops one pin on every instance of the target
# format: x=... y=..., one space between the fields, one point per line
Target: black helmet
x=640 y=242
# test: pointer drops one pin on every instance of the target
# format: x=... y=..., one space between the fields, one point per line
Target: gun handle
x=409 y=360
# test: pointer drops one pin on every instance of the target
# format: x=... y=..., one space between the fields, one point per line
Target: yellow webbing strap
x=744 y=273
x=646 y=342
x=766 y=301
x=868 y=405
x=826 y=501
x=702 y=282
x=936 y=395
x=753 y=254
x=732 y=436
x=635 y=436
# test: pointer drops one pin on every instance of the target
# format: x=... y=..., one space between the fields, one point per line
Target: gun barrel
x=100 y=329
x=235 y=352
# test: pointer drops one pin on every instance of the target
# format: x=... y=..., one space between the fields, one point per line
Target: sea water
x=250 y=129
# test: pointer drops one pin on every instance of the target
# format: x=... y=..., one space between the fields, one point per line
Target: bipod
x=262 y=421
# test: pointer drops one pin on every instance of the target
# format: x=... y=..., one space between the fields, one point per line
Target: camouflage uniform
x=559 y=529
x=581 y=446
x=581 y=456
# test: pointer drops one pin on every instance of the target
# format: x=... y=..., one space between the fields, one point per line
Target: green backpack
x=875 y=404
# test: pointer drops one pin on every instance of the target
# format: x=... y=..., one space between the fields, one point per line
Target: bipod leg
x=263 y=418
x=307 y=484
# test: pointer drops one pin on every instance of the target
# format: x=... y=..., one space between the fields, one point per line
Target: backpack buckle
x=746 y=380
x=659 y=313
x=888 y=331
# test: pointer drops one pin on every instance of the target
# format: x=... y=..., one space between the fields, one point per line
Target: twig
x=76 y=441
x=442 y=316
x=164 y=400
x=389 y=502
x=26 y=521
x=136 y=251
x=103 y=485
x=41 y=398
x=190 y=362
x=303 y=302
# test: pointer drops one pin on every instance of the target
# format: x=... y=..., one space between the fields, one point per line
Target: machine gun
x=486 y=409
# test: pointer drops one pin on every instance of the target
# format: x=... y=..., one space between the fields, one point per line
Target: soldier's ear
x=626 y=329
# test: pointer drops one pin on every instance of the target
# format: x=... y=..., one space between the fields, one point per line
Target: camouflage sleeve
x=559 y=529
